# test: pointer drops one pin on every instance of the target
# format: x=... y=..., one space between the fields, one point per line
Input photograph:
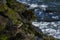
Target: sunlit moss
x=12 y=15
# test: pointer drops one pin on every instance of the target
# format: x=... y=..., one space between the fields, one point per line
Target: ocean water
x=48 y=13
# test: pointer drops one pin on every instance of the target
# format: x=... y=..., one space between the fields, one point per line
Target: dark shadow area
x=2 y=14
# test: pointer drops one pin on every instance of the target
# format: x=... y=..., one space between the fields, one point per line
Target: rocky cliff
x=15 y=22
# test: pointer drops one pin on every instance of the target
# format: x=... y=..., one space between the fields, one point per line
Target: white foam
x=48 y=29
x=36 y=24
x=44 y=6
x=33 y=5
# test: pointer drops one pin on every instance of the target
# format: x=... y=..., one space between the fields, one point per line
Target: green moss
x=2 y=7
x=12 y=15
x=15 y=5
x=1 y=27
x=46 y=37
x=4 y=37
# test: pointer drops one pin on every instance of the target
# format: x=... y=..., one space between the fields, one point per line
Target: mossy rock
x=4 y=37
x=15 y=5
x=11 y=9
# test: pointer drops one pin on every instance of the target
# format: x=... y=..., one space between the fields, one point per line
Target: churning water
x=48 y=13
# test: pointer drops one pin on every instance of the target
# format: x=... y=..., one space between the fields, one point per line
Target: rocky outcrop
x=15 y=22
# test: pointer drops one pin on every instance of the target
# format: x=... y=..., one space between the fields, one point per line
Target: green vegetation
x=4 y=37
x=16 y=6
